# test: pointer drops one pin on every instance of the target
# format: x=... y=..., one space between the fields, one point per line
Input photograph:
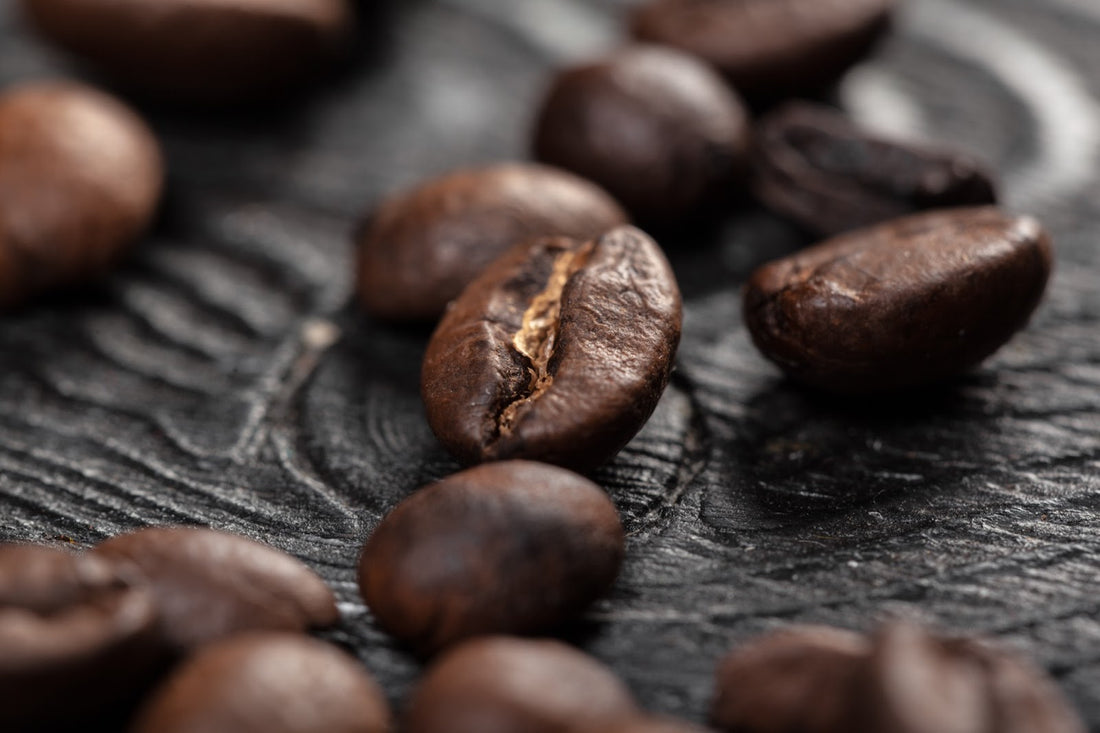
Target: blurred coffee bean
x=210 y=584
x=643 y=724
x=910 y=302
x=421 y=247
x=771 y=49
x=80 y=178
x=267 y=683
x=655 y=127
x=198 y=51
x=557 y=352
x=815 y=166
x=505 y=685
x=510 y=547
x=77 y=638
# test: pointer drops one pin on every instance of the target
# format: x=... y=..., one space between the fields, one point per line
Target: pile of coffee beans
x=557 y=325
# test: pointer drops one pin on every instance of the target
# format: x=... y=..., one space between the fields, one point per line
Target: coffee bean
x=801 y=679
x=198 y=51
x=77 y=638
x=910 y=302
x=510 y=547
x=267 y=683
x=506 y=685
x=209 y=584
x=641 y=724
x=558 y=352
x=655 y=127
x=420 y=248
x=80 y=177
x=816 y=167
x=768 y=49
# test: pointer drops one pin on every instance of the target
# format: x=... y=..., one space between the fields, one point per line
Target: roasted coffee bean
x=510 y=547
x=906 y=303
x=420 y=248
x=655 y=127
x=505 y=685
x=77 y=638
x=198 y=51
x=267 y=683
x=768 y=48
x=210 y=585
x=801 y=679
x=80 y=177
x=558 y=352
x=818 y=168
x=643 y=724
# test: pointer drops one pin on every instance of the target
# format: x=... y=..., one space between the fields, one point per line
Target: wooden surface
x=221 y=379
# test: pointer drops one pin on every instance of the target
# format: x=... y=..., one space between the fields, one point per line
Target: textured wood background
x=221 y=379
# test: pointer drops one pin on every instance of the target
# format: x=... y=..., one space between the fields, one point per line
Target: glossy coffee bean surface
x=768 y=48
x=558 y=352
x=910 y=302
x=80 y=178
x=818 y=168
x=508 y=547
x=655 y=127
x=267 y=683
x=421 y=247
x=507 y=685
x=198 y=51
x=209 y=584
x=77 y=637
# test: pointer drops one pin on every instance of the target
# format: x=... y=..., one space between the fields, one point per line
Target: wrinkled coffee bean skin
x=80 y=178
x=910 y=302
x=198 y=51
x=209 y=585
x=421 y=247
x=801 y=679
x=509 y=547
x=267 y=683
x=815 y=166
x=77 y=638
x=768 y=48
x=655 y=127
x=558 y=352
x=506 y=685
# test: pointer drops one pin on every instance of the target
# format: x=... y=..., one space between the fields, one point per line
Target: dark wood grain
x=220 y=378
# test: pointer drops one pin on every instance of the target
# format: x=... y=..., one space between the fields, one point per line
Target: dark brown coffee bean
x=198 y=51
x=655 y=127
x=800 y=679
x=420 y=248
x=80 y=177
x=267 y=683
x=815 y=166
x=510 y=547
x=209 y=584
x=768 y=48
x=558 y=352
x=77 y=637
x=643 y=724
x=906 y=303
x=505 y=685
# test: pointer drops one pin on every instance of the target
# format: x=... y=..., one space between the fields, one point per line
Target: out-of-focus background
x=221 y=378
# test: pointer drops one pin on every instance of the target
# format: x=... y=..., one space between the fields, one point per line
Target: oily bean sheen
x=558 y=352
x=815 y=166
x=198 y=51
x=421 y=247
x=267 y=683
x=905 y=303
x=77 y=637
x=210 y=584
x=80 y=178
x=768 y=48
x=506 y=685
x=655 y=127
x=508 y=547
